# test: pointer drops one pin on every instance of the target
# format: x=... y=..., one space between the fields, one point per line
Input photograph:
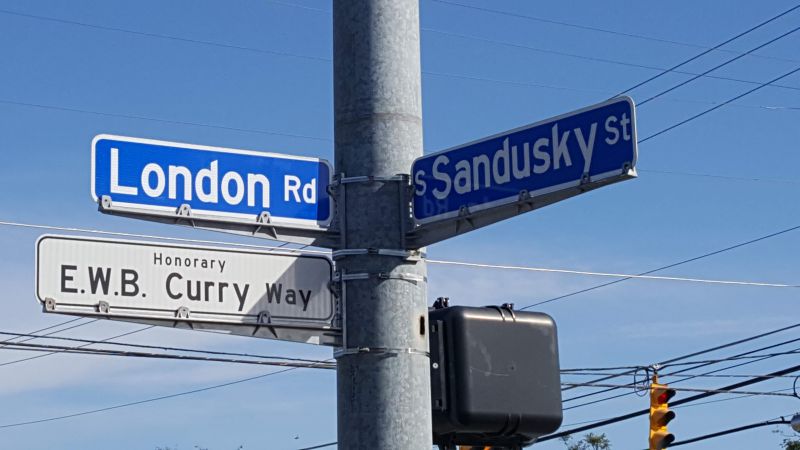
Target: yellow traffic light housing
x=660 y=415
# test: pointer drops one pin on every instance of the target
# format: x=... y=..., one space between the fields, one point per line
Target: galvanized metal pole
x=383 y=374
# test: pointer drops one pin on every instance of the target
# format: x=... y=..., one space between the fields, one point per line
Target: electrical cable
x=690 y=375
x=169 y=121
x=723 y=177
x=328 y=59
x=103 y=341
x=430 y=261
x=693 y=354
x=718 y=66
x=163 y=238
x=711 y=391
x=679 y=407
x=162 y=347
x=695 y=364
x=149 y=400
x=672 y=403
x=600 y=30
x=47 y=328
x=329 y=444
x=726 y=399
x=780 y=421
x=668 y=266
x=596 y=59
x=162 y=36
x=608 y=274
x=132 y=354
x=714 y=108
x=703 y=53
x=608 y=92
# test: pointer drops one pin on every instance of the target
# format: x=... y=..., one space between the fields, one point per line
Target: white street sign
x=271 y=295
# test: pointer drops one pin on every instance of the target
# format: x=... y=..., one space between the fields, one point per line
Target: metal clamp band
x=341 y=179
x=412 y=277
x=410 y=255
x=379 y=350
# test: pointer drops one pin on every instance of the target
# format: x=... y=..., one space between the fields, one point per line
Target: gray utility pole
x=384 y=398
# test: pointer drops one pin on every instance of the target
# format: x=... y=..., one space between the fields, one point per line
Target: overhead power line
x=600 y=30
x=596 y=59
x=148 y=400
x=162 y=238
x=662 y=376
x=718 y=66
x=46 y=328
x=722 y=177
x=328 y=59
x=694 y=365
x=431 y=261
x=133 y=354
x=668 y=266
x=714 y=108
x=608 y=274
x=160 y=120
x=163 y=36
x=672 y=403
x=161 y=347
x=103 y=341
x=704 y=351
x=768 y=423
x=703 y=53
x=686 y=389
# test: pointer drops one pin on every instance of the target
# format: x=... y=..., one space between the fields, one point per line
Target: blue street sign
x=586 y=148
x=233 y=185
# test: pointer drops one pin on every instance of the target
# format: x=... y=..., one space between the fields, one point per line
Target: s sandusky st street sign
x=269 y=295
x=536 y=164
x=222 y=188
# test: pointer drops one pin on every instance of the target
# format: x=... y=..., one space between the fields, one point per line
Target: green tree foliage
x=592 y=441
x=790 y=444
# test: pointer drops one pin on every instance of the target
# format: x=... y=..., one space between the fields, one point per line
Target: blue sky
x=269 y=87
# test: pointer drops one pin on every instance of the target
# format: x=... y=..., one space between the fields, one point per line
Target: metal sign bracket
x=264 y=226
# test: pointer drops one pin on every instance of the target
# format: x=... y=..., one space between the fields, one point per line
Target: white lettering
x=501 y=157
x=419 y=182
x=252 y=180
x=610 y=128
x=540 y=155
x=560 y=150
x=291 y=185
x=443 y=177
x=174 y=171
x=587 y=148
x=116 y=188
x=462 y=182
x=310 y=192
x=226 y=188
x=211 y=174
x=148 y=188
x=625 y=121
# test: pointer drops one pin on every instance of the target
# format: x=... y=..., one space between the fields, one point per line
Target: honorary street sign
x=586 y=148
x=269 y=295
x=210 y=182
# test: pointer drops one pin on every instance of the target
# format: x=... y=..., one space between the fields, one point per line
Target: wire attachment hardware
x=405 y=276
x=379 y=350
x=341 y=179
x=408 y=255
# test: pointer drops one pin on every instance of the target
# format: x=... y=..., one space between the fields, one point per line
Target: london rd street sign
x=269 y=295
x=223 y=189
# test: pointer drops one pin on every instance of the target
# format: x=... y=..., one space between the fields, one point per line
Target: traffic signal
x=660 y=415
